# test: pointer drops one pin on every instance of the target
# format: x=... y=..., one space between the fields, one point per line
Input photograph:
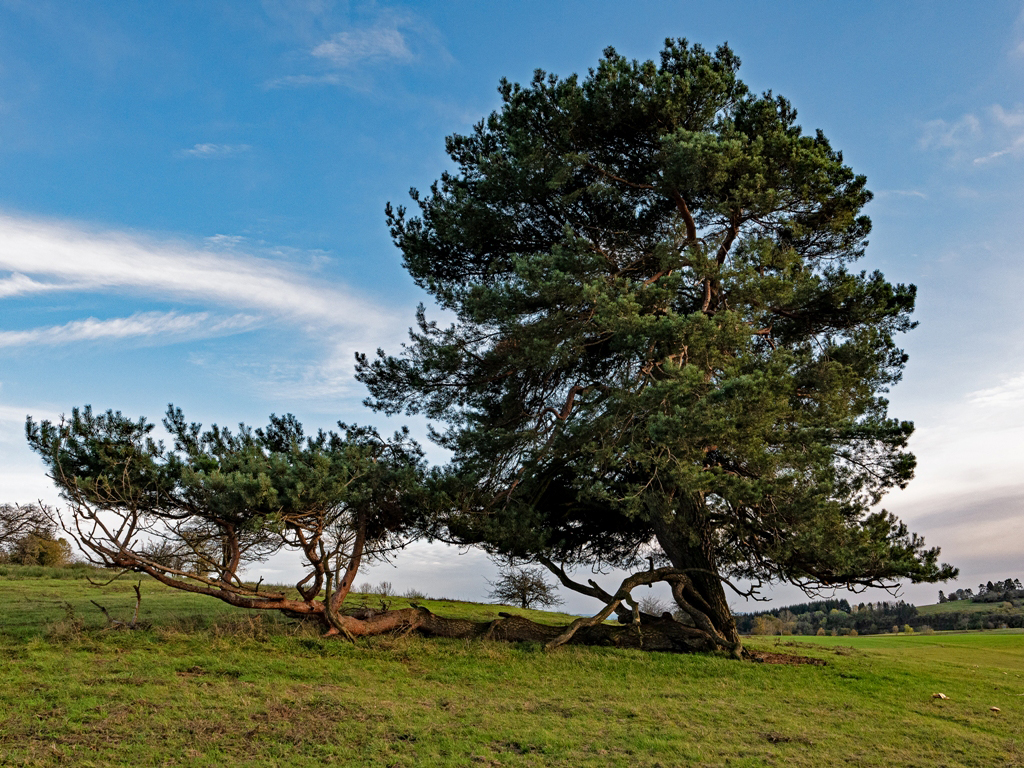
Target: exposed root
x=663 y=634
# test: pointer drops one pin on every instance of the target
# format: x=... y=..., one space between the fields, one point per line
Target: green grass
x=209 y=685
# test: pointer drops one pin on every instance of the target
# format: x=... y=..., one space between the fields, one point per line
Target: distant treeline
x=839 y=617
x=829 y=617
x=1001 y=616
x=997 y=592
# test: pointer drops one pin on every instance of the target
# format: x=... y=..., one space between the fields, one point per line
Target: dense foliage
x=661 y=355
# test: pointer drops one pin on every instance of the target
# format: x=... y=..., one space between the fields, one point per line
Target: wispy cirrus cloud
x=208 y=151
x=1017 y=47
x=381 y=42
x=343 y=57
x=940 y=134
x=301 y=81
x=237 y=291
x=996 y=133
x=1010 y=125
x=901 y=193
x=140 y=325
x=48 y=255
x=18 y=284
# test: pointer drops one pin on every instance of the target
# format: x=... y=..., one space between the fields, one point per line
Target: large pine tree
x=661 y=359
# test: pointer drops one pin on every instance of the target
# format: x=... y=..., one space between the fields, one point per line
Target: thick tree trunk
x=702 y=593
x=657 y=635
x=649 y=633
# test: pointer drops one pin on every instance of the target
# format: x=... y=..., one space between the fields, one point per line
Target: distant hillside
x=840 y=617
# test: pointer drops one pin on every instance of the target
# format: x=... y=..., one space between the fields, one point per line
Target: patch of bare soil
x=767 y=657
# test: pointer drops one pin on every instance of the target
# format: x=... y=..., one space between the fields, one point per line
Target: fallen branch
x=117 y=623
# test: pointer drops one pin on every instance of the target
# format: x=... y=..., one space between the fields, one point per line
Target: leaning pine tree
x=661 y=358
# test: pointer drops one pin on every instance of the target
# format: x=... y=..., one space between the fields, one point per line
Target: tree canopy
x=193 y=516
x=662 y=355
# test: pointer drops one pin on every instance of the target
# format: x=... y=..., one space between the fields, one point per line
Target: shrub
x=40 y=547
x=652 y=605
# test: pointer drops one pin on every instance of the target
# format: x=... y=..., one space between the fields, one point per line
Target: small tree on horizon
x=524 y=587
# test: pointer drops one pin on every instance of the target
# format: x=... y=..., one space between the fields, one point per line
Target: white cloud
x=1008 y=394
x=939 y=134
x=71 y=258
x=998 y=133
x=214 y=150
x=970 y=446
x=380 y=42
x=343 y=58
x=141 y=324
x=1017 y=51
x=901 y=193
x=218 y=275
x=300 y=81
x=18 y=284
x=1014 y=119
x=228 y=241
x=1010 y=130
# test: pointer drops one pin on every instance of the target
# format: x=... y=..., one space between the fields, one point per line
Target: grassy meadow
x=205 y=684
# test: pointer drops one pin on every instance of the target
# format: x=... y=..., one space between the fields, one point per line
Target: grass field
x=961 y=606
x=209 y=685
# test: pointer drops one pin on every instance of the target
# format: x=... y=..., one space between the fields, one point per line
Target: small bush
x=40 y=547
x=414 y=594
x=652 y=605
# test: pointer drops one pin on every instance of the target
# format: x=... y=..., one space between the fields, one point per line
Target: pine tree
x=661 y=358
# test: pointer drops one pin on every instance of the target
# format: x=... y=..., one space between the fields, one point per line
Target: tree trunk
x=657 y=635
x=702 y=593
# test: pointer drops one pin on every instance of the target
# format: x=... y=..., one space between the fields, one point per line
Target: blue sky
x=192 y=194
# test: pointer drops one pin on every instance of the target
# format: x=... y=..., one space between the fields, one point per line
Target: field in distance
x=205 y=684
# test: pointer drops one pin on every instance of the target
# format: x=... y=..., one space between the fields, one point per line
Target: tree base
x=658 y=635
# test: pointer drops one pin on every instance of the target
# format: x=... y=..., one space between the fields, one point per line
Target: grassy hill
x=209 y=685
x=963 y=606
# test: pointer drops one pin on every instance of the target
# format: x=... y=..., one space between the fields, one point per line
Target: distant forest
x=829 y=617
x=840 y=617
